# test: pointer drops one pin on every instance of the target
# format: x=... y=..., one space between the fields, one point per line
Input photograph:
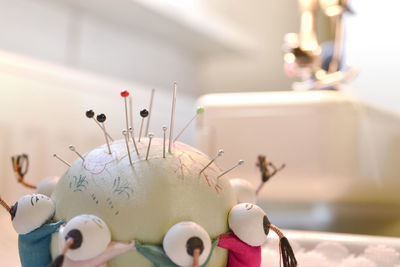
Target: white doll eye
x=90 y=234
x=182 y=239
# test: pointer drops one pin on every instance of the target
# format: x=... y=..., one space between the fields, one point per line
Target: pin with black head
x=101 y=118
x=143 y=113
x=90 y=114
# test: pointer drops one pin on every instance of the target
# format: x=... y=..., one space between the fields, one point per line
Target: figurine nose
x=266 y=224
x=193 y=243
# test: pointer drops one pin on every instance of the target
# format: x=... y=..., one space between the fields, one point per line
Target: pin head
x=144 y=113
x=220 y=152
x=101 y=117
x=151 y=135
x=240 y=162
x=164 y=128
x=125 y=93
x=71 y=147
x=200 y=110
x=90 y=113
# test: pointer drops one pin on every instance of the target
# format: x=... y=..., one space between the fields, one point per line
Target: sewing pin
x=171 y=127
x=133 y=139
x=124 y=95
x=143 y=113
x=240 y=162
x=126 y=135
x=90 y=115
x=151 y=135
x=165 y=135
x=220 y=152
x=62 y=160
x=130 y=111
x=101 y=118
x=150 y=108
x=200 y=110
x=72 y=148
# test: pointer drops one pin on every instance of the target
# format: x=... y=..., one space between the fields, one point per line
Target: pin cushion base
x=143 y=200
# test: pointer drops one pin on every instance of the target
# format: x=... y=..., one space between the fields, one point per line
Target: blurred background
x=59 y=58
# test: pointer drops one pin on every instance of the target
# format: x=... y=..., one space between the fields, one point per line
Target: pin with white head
x=73 y=149
x=171 y=126
x=164 y=137
x=220 y=152
x=124 y=95
x=151 y=135
x=240 y=162
x=143 y=113
x=90 y=115
x=130 y=111
x=199 y=111
x=150 y=109
x=101 y=118
x=126 y=136
x=62 y=160
x=133 y=139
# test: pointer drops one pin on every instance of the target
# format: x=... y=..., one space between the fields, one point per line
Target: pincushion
x=144 y=200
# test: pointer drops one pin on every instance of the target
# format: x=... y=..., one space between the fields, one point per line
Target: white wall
x=372 y=45
x=64 y=34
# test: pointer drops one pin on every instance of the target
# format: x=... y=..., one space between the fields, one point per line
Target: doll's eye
x=183 y=239
x=90 y=240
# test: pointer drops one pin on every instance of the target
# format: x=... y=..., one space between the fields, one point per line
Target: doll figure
x=184 y=244
x=97 y=249
x=30 y=218
x=250 y=227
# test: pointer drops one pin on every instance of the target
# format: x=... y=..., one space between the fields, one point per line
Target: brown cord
x=263 y=165
x=196 y=255
x=68 y=244
x=20 y=165
x=285 y=250
x=5 y=205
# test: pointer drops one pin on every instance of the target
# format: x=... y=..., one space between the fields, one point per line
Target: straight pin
x=126 y=135
x=90 y=115
x=200 y=110
x=124 y=95
x=171 y=127
x=240 y=162
x=101 y=118
x=133 y=139
x=62 y=160
x=151 y=135
x=220 y=152
x=72 y=148
x=143 y=113
x=165 y=135
x=130 y=111
x=150 y=108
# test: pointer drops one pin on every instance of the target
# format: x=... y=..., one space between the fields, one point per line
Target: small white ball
x=46 y=187
x=183 y=236
x=92 y=237
x=31 y=212
x=249 y=223
x=245 y=191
